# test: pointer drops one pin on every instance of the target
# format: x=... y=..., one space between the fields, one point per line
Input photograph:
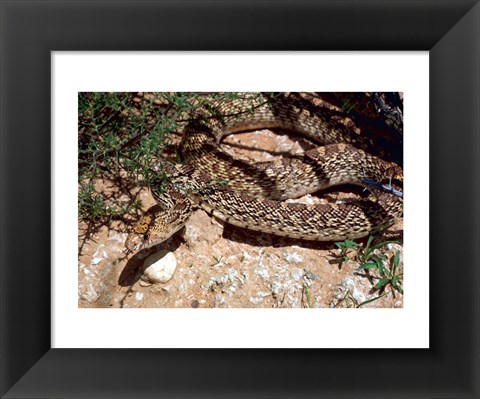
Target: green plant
x=387 y=275
x=123 y=139
x=372 y=259
x=349 y=301
x=349 y=105
x=367 y=253
x=346 y=247
x=306 y=293
x=218 y=259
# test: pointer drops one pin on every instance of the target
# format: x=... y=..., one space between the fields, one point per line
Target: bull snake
x=252 y=196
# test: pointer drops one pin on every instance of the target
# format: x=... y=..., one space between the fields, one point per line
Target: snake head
x=138 y=239
x=156 y=228
x=151 y=230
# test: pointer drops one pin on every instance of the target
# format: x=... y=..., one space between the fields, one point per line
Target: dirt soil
x=221 y=265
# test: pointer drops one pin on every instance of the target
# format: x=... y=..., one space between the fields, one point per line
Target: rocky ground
x=217 y=265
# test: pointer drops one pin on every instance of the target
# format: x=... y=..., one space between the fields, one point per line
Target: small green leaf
x=398 y=288
x=368 y=265
x=370 y=300
x=307 y=295
x=379 y=262
x=370 y=239
x=396 y=259
x=384 y=243
x=382 y=282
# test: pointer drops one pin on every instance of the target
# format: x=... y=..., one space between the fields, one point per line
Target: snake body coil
x=251 y=195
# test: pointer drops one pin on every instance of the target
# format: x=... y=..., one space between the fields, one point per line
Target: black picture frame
x=449 y=30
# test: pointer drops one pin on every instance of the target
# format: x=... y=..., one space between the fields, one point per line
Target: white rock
x=297 y=274
x=263 y=294
x=358 y=295
x=231 y=274
x=255 y=300
x=219 y=300
x=90 y=295
x=262 y=273
x=312 y=276
x=139 y=296
x=160 y=267
x=293 y=257
x=348 y=281
x=276 y=286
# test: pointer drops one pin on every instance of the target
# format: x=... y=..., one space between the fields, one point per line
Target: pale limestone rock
x=160 y=267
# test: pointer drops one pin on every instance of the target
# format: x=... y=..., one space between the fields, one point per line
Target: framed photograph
x=150 y=244
x=240 y=272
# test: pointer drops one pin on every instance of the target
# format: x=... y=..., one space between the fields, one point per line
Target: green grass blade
x=398 y=288
x=370 y=300
x=382 y=282
x=368 y=265
x=369 y=241
x=396 y=261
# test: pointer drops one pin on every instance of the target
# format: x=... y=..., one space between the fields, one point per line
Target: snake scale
x=252 y=195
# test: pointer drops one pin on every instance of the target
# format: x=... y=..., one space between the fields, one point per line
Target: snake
x=253 y=196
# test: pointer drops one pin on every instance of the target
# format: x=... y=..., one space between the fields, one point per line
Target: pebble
x=312 y=276
x=195 y=303
x=262 y=273
x=160 y=267
x=255 y=300
x=96 y=261
x=275 y=287
x=297 y=274
x=356 y=293
x=293 y=257
x=219 y=300
x=90 y=295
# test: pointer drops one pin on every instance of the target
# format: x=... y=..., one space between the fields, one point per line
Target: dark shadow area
x=375 y=135
x=132 y=271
